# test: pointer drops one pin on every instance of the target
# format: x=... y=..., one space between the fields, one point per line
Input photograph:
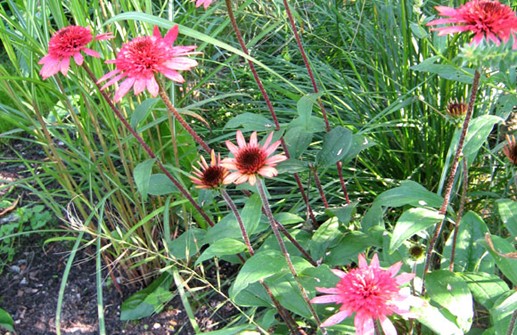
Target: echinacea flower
x=67 y=43
x=209 y=176
x=251 y=160
x=510 y=149
x=205 y=3
x=372 y=293
x=139 y=60
x=486 y=19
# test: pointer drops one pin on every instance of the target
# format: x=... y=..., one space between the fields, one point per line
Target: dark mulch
x=29 y=292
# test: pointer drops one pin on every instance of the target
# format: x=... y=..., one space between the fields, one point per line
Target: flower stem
x=181 y=120
x=265 y=95
x=283 y=249
x=452 y=173
x=284 y=314
x=318 y=185
x=339 y=165
x=460 y=214
x=146 y=147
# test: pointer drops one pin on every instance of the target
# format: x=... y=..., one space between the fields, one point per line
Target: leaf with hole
x=336 y=145
x=450 y=291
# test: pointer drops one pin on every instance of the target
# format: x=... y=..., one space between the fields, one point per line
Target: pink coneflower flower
x=251 y=160
x=510 y=149
x=139 y=60
x=205 y=3
x=486 y=19
x=209 y=176
x=372 y=294
x=66 y=43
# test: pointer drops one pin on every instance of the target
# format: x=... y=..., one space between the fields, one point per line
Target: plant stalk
x=460 y=214
x=452 y=173
x=265 y=95
x=146 y=147
x=283 y=249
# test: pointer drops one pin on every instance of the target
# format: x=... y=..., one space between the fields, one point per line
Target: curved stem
x=181 y=120
x=452 y=173
x=318 y=185
x=283 y=249
x=268 y=103
x=146 y=147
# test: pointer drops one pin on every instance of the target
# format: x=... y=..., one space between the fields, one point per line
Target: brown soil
x=29 y=292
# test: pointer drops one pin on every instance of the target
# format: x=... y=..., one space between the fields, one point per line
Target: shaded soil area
x=29 y=290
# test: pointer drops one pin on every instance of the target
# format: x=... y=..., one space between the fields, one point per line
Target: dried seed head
x=457 y=109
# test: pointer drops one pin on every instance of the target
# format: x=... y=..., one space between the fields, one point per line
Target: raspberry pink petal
x=171 y=35
x=335 y=319
x=124 y=88
x=387 y=326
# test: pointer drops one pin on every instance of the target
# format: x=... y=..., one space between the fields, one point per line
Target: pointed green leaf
x=507 y=210
x=187 y=244
x=485 y=288
x=347 y=248
x=508 y=266
x=142 y=175
x=470 y=255
x=224 y=247
x=142 y=110
x=148 y=301
x=160 y=184
x=297 y=140
x=408 y=193
x=336 y=144
x=433 y=318
x=260 y=266
x=445 y=71
x=450 y=291
x=6 y=321
x=412 y=221
x=502 y=311
x=478 y=132
x=250 y=122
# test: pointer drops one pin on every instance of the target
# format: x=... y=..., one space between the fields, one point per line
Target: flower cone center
x=250 y=160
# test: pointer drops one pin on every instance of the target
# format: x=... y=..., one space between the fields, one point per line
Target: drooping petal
x=387 y=326
x=336 y=318
x=123 y=89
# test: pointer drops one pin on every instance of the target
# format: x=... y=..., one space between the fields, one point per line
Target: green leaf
x=347 y=248
x=6 y=321
x=432 y=318
x=250 y=122
x=508 y=266
x=254 y=295
x=142 y=175
x=286 y=290
x=187 y=244
x=323 y=237
x=148 y=301
x=445 y=71
x=336 y=144
x=160 y=184
x=478 y=132
x=305 y=104
x=142 y=110
x=412 y=221
x=450 y=291
x=408 y=193
x=228 y=227
x=292 y=166
x=344 y=213
x=470 y=255
x=359 y=143
x=297 y=140
x=485 y=288
x=260 y=266
x=502 y=311
x=507 y=210
x=224 y=247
